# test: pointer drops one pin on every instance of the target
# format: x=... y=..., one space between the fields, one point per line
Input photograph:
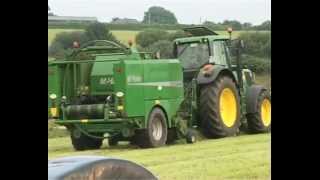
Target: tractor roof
x=200 y=32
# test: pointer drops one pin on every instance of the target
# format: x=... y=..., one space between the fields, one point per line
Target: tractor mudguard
x=96 y=167
x=252 y=96
x=202 y=79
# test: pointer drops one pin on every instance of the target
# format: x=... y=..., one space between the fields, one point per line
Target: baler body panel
x=148 y=81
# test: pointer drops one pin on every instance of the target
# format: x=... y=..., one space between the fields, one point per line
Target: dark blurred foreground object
x=96 y=168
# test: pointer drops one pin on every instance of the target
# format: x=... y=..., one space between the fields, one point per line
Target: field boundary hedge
x=127 y=27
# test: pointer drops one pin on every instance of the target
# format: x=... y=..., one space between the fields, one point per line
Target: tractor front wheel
x=220 y=108
x=156 y=133
x=260 y=120
x=81 y=142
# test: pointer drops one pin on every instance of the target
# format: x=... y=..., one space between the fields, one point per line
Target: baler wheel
x=260 y=121
x=81 y=142
x=156 y=133
x=190 y=137
x=220 y=108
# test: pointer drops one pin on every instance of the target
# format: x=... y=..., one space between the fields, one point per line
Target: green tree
x=176 y=35
x=98 y=31
x=150 y=36
x=266 y=26
x=236 y=25
x=246 y=26
x=159 y=15
x=257 y=43
x=163 y=47
x=63 y=42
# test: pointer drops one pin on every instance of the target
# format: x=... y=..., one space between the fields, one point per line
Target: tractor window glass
x=219 y=53
x=193 y=55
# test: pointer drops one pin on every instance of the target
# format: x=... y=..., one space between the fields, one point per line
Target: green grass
x=242 y=157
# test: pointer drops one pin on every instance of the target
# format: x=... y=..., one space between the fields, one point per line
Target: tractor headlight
x=120 y=101
x=53 y=109
x=53 y=96
x=54 y=112
x=119 y=94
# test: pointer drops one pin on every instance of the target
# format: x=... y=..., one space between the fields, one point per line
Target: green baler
x=115 y=94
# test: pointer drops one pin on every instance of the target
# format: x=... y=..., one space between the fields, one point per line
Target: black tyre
x=172 y=136
x=156 y=133
x=260 y=120
x=82 y=142
x=191 y=137
x=220 y=108
x=113 y=141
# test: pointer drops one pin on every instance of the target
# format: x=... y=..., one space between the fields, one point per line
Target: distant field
x=121 y=35
x=242 y=157
x=125 y=36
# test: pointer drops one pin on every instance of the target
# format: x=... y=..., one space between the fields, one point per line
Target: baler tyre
x=260 y=120
x=220 y=108
x=156 y=133
x=172 y=136
x=113 y=141
x=81 y=142
x=191 y=137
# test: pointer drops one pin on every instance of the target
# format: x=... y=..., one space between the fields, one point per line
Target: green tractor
x=106 y=90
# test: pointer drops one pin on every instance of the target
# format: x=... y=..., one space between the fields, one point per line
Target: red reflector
x=207 y=67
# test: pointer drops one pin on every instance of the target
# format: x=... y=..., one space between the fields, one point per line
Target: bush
x=256 y=64
x=148 y=37
x=164 y=47
x=98 y=31
x=176 y=35
x=257 y=44
x=63 y=42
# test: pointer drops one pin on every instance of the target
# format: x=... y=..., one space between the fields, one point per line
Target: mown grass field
x=242 y=157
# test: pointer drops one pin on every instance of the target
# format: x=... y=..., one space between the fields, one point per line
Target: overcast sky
x=186 y=11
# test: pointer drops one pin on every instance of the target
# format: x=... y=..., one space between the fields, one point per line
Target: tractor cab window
x=219 y=53
x=193 y=55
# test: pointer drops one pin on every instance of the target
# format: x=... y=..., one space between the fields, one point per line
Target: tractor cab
x=201 y=48
x=205 y=49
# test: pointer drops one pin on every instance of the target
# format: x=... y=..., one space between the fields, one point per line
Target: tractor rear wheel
x=260 y=120
x=81 y=142
x=156 y=133
x=220 y=108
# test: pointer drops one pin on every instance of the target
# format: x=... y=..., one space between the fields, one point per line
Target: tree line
x=157 y=16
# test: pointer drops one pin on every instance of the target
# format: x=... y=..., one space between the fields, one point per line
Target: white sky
x=186 y=11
